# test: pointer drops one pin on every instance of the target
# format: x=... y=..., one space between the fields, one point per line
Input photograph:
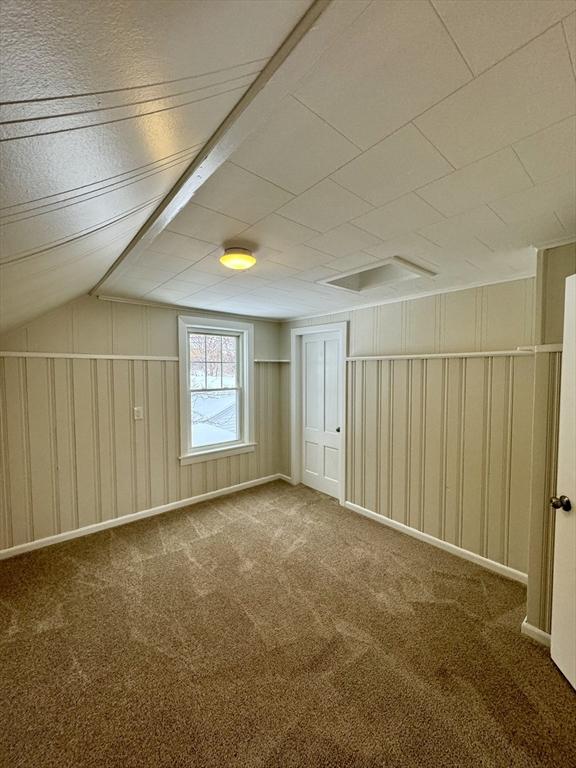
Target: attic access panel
x=395 y=270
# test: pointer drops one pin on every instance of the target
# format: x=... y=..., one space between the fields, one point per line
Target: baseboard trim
x=534 y=633
x=492 y=565
x=86 y=530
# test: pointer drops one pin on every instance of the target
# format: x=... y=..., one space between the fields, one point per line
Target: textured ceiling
x=443 y=132
x=104 y=105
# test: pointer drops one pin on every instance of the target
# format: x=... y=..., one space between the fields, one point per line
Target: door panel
x=331 y=460
x=321 y=404
x=563 y=646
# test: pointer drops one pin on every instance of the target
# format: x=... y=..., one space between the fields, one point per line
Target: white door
x=563 y=644
x=321 y=408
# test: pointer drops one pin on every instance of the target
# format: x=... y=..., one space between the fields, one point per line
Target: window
x=216 y=388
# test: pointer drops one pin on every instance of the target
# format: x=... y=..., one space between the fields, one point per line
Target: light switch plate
x=138 y=413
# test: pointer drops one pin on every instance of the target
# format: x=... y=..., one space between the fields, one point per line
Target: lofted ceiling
x=439 y=131
x=104 y=105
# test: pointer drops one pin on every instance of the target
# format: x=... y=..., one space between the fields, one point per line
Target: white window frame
x=245 y=333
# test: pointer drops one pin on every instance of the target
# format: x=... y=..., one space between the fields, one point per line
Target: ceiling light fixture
x=237 y=258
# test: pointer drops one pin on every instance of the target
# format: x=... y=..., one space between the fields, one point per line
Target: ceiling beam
x=316 y=30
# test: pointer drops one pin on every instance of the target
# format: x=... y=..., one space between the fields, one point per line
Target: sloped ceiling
x=440 y=131
x=104 y=105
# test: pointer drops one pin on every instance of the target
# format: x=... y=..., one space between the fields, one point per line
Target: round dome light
x=237 y=258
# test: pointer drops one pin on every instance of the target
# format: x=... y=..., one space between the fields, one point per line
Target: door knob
x=337 y=429
x=561 y=502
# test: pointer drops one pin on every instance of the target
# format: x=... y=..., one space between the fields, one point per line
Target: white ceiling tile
x=399 y=164
x=344 y=240
x=495 y=176
x=545 y=229
x=240 y=194
x=403 y=215
x=298 y=293
x=246 y=281
x=278 y=232
x=317 y=273
x=183 y=247
x=310 y=149
x=204 y=224
x=489 y=229
x=131 y=286
x=395 y=61
x=449 y=233
x=184 y=287
x=324 y=206
x=166 y=295
x=409 y=247
x=147 y=273
x=534 y=202
x=487 y=31
x=526 y=92
x=207 y=300
x=354 y=261
x=550 y=152
x=155 y=260
x=211 y=265
x=302 y=257
x=222 y=288
x=193 y=275
x=271 y=270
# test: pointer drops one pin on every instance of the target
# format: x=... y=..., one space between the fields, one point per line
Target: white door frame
x=296 y=398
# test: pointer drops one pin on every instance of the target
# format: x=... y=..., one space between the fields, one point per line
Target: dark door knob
x=561 y=502
x=337 y=429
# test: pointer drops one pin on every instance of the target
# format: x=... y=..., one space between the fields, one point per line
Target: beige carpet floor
x=270 y=629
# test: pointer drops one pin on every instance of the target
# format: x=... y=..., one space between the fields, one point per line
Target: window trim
x=245 y=332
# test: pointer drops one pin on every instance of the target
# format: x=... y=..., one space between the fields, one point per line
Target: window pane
x=213 y=375
x=229 y=349
x=214 y=417
x=229 y=375
x=197 y=346
x=214 y=348
x=197 y=375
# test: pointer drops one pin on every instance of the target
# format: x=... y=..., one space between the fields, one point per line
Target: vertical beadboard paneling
x=5 y=520
x=520 y=458
x=474 y=468
x=398 y=426
x=497 y=480
x=487 y=318
x=441 y=445
x=65 y=473
x=433 y=448
x=18 y=460
x=454 y=397
x=416 y=440
x=85 y=444
x=172 y=433
x=155 y=433
x=123 y=448
x=41 y=457
x=72 y=454
x=370 y=432
x=104 y=437
x=358 y=432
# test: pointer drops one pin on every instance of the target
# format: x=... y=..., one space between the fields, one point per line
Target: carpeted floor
x=270 y=629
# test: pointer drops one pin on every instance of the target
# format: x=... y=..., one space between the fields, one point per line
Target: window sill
x=217 y=453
